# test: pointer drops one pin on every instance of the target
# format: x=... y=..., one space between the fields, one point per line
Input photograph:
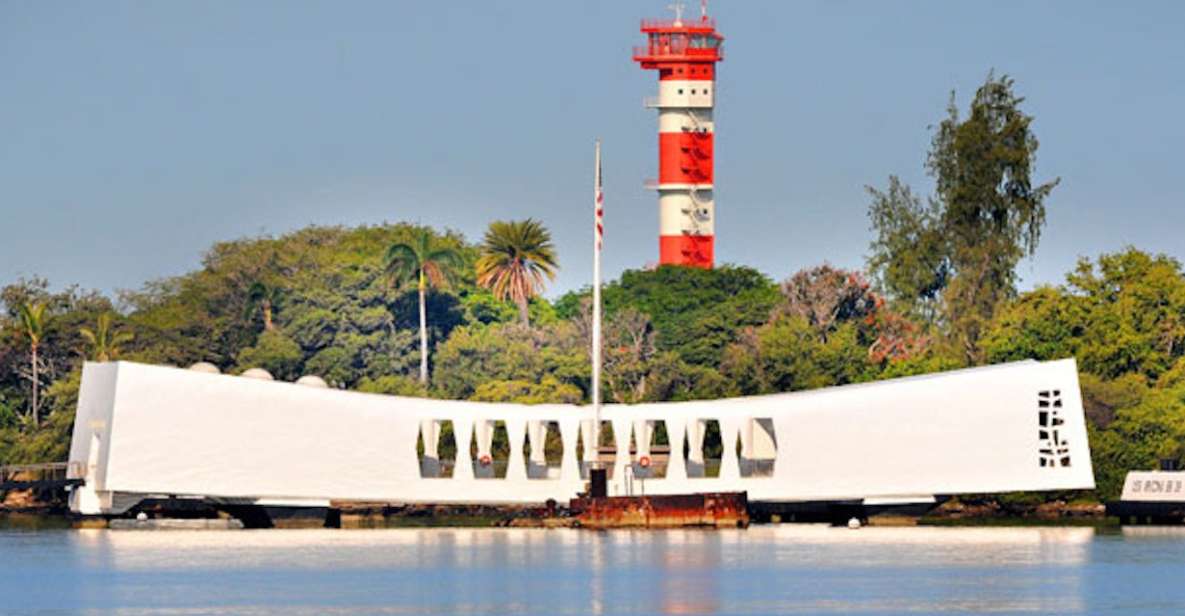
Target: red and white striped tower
x=685 y=53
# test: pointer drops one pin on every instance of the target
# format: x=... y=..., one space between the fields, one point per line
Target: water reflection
x=789 y=568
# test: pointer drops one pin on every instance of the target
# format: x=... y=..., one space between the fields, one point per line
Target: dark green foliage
x=49 y=441
x=993 y=210
x=1134 y=315
x=393 y=385
x=1046 y=323
x=1123 y=315
x=274 y=352
x=479 y=354
x=788 y=355
x=1140 y=436
x=909 y=254
x=695 y=313
x=987 y=213
x=547 y=391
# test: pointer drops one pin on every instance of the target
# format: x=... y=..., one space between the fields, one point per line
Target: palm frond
x=517 y=259
x=32 y=316
x=402 y=263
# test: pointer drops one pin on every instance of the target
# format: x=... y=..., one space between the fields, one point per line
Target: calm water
x=763 y=570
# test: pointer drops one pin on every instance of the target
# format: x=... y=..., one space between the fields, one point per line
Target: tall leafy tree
x=516 y=258
x=909 y=256
x=427 y=263
x=106 y=344
x=993 y=210
x=987 y=214
x=32 y=321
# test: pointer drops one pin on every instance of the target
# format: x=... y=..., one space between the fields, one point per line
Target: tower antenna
x=677 y=7
x=703 y=10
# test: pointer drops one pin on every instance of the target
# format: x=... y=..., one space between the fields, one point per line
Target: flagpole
x=598 y=213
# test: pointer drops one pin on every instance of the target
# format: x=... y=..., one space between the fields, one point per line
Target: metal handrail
x=702 y=22
x=676 y=51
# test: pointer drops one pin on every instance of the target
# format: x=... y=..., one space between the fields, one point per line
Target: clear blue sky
x=133 y=135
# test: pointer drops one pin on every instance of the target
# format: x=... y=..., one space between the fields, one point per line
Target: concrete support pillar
x=747 y=427
x=463 y=434
x=643 y=433
x=430 y=431
x=676 y=468
x=695 y=447
x=430 y=434
x=569 y=434
x=484 y=432
x=515 y=429
x=537 y=434
x=621 y=437
x=729 y=465
x=695 y=440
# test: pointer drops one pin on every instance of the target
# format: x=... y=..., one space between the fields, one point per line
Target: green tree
x=264 y=299
x=992 y=209
x=987 y=214
x=516 y=258
x=788 y=355
x=1138 y=438
x=694 y=312
x=1135 y=313
x=1124 y=313
x=393 y=385
x=1045 y=323
x=426 y=262
x=909 y=256
x=477 y=354
x=274 y=352
x=50 y=440
x=32 y=320
x=105 y=343
x=550 y=390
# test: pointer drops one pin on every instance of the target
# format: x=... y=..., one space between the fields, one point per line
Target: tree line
x=411 y=310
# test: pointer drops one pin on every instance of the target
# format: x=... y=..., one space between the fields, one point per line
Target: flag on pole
x=599 y=231
x=600 y=204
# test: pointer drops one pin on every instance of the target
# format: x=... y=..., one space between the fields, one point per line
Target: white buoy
x=854 y=523
x=141 y=517
x=205 y=366
x=257 y=373
x=312 y=380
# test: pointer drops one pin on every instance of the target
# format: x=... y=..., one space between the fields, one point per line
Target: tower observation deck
x=685 y=53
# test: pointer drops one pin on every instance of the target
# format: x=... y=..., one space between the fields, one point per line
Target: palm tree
x=32 y=317
x=105 y=344
x=265 y=299
x=516 y=257
x=428 y=263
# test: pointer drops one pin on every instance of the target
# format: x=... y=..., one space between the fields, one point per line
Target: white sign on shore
x=1155 y=486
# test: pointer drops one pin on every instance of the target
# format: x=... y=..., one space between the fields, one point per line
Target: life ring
x=485 y=459
x=644 y=461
